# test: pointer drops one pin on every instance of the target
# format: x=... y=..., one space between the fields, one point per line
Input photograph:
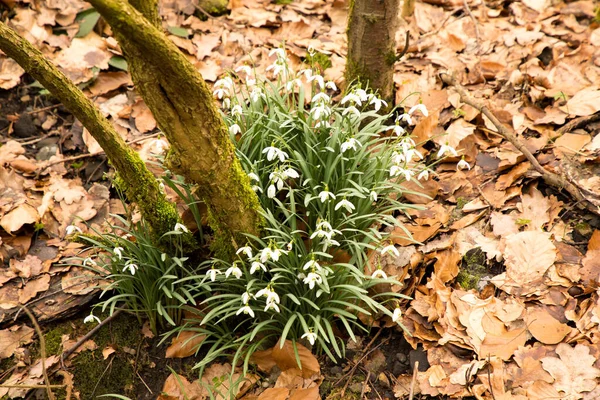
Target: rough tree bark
x=140 y=186
x=372 y=26
x=186 y=112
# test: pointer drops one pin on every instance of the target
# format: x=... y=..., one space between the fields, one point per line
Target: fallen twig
x=42 y=351
x=578 y=122
x=550 y=178
x=413 y=381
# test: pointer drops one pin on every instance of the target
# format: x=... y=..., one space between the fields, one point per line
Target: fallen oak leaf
x=285 y=358
x=184 y=344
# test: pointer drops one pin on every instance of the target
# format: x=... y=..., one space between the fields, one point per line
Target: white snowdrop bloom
x=276 y=253
x=462 y=164
x=354 y=98
x=270 y=294
x=279 y=52
x=312 y=264
x=377 y=102
x=405 y=117
x=321 y=110
x=352 y=110
x=160 y=145
x=245 y=69
x=396 y=170
x=257 y=266
x=362 y=94
x=71 y=229
x=346 y=204
x=328 y=242
x=181 y=228
x=320 y=233
x=325 y=194
x=91 y=318
x=290 y=246
x=119 y=252
x=312 y=279
x=220 y=93
x=331 y=85
x=276 y=67
x=351 y=143
x=250 y=82
x=446 y=148
x=233 y=270
x=131 y=267
x=291 y=173
x=391 y=250
x=256 y=94
x=419 y=107
x=223 y=87
x=89 y=261
x=256 y=188
x=325 y=124
x=319 y=79
x=246 y=297
x=273 y=153
x=397 y=315
x=212 y=274
x=253 y=177
x=423 y=175
x=277 y=178
x=237 y=110
x=310 y=336
x=398 y=130
x=373 y=195
x=265 y=254
x=379 y=273
x=293 y=83
x=247 y=250
x=226 y=103
x=246 y=310
x=321 y=97
x=324 y=225
x=306 y=72
x=271 y=305
x=271 y=191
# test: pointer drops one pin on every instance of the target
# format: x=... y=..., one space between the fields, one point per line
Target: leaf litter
x=521 y=321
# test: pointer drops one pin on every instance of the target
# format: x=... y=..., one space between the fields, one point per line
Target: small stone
x=24 y=127
x=398 y=368
x=401 y=357
x=46 y=152
x=337 y=370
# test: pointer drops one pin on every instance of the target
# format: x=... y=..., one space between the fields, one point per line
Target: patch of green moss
x=472 y=269
x=319 y=60
x=53 y=338
x=460 y=203
x=283 y=2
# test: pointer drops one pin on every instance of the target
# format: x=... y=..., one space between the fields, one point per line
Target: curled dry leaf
x=285 y=358
x=185 y=344
x=528 y=256
x=14 y=337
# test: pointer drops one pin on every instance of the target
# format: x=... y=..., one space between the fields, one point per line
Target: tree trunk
x=186 y=112
x=140 y=186
x=372 y=27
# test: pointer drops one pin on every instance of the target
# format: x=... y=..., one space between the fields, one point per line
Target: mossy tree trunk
x=186 y=112
x=140 y=185
x=372 y=26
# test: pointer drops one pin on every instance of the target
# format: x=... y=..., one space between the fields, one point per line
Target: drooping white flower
x=321 y=97
x=256 y=266
x=362 y=94
x=446 y=148
x=246 y=310
x=181 y=228
x=272 y=305
x=226 y=103
x=293 y=83
x=396 y=170
x=325 y=194
x=328 y=242
x=253 y=177
x=223 y=87
x=269 y=293
x=291 y=173
x=351 y=143
x=246 y=297
x=310 y=336
x=279 y=52
x=266 y=254
x=398 y=130
x=353 y=97
x=71 y=229
x=247 y=250
x=271 y=191
x=237 y=110
x=462 y=164
x=233 y=270
x=379 y=273
x=256 y=94
x=88 y=260
x=319 y=79
x=377 y=102
x=346 y=204
x=419 y=107
x=321 y=110
x=331 y=85
x=306 y=72
x=312 y=265
x=423 y=174
x=273 y=153
x=405 y=117
x=245 y=69
x=391 y=250
x=212 y=274
x=397 y=315
x=119 y=252
x=373 y=195
x=325 y=124
x=352 y=110
x=324 y=225
x=235 y=129
x=312 y=279
x=131 y=267
x=91 y=318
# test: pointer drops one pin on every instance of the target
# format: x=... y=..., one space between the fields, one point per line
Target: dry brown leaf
x=286 y=359
x=33 y=287
x=14 y=337
x=107 y=351
x=21 y=215
x=109 y=81
x=503 y=345
x=585 y=102
x=574 y=371
x=506 y=180
x=263 y=359
x=571 y=143
x=305 y=394
x=594 y=242
x=544 y=327
x=528 y=256
x=274 y=394
x=419 y=233
x=446 y=266
x=184 y=344
x=30 y=266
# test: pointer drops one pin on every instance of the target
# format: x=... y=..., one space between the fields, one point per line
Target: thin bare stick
x=550 y=178
x=468 y=10
x=413 y=381
x=578 y=122
x=42 y=351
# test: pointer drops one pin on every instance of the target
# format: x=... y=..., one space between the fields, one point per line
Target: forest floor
x=504 y=279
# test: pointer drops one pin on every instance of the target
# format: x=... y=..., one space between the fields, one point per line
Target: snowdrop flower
x=119 y=252
x=291 y=173
x=256 y=266
x=398 y=130
x=161 y=187
x=322 y=110
x=324 y=225
x=396 y=170
x=272 y=305
x=311 y=279
x=321 y=98
x=233 y=270
x=246 y=297
x=131 y=267
x=256 y=94
x=446 y=148
x=279 y=52
x=346 y=204
x=379 y=273
x=419 y=107
x=293 y=83
x=306 y=72
x=325 y=194
x=223 y=87
x=331 y=85
x=404 y=117
x=277 y=67
x=319 y=79
x=328 y=242
x=88 y=260
x=269 y=293
x=373 y=195
x=350 y=144
x=423 y=175
x=226 y=103
x=256 y=188
x=290 y=245
x=310 y=336
x=352 y=110
x=181 y=228
x=378 y=102
x=312 y=265
x=160 y=145
x=212 y=274
x=236 y=110
x=319 y=124
x=91 y=318
x=271 y=191
x=71 y=229
x=246 y=310
x=362 y=94
x=247 y=250
x=353 y=98
x=397 y=315
x=391 y=250
x=273 y=153
x=245 y=69
x=268 y=253
x=253 y=177
x=462 y=164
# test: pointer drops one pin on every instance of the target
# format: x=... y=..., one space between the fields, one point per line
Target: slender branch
x=42 y=351
x=550 y=178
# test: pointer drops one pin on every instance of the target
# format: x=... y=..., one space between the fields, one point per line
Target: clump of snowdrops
x=328 y=177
